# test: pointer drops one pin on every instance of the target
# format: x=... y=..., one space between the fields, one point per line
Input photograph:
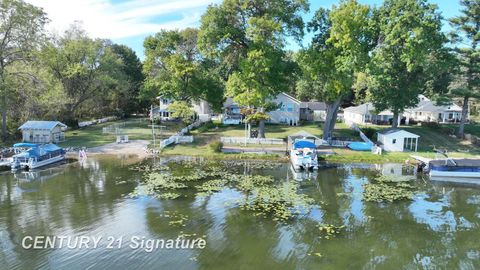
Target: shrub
x=369 y=132
x=216 y=146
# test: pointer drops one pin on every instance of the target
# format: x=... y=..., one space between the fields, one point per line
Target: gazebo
x=397 y=140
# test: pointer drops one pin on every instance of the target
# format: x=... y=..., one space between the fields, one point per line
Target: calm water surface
x=438 y=229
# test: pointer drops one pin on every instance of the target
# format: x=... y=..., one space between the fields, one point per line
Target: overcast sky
x=130 y=21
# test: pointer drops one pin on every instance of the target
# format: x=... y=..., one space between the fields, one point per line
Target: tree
x=21 y=31
x=174 y=68
x=128 y=100
x=466 y=36
x=181 y=110
x=408 y=36
x=247 y=39
x=87 y=69
x=339 y=49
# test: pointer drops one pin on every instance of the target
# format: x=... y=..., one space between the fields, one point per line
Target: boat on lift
x=303 y=155
x=31 y=156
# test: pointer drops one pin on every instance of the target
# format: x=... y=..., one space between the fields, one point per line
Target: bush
x=206 y=127
x=369 y=132
x=432 y=125
x=216 y=146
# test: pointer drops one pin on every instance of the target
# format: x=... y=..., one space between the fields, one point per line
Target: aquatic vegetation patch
x=328 y=231
x=388 y=189
x=249 y=182
x=175 y=218
x=282 y=203
x=261 y=194
x=212 y=186
x=169 y=195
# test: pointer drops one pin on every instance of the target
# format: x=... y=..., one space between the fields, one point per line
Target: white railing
x=362 y=135
x=242 y=140
x=179 y=137
x=96 y=121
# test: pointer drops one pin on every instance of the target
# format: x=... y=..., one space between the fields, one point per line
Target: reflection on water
x=438 y=229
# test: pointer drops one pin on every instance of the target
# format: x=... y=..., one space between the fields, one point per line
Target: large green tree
x=174 y=68
x=409 y=35
x=127 y=101
x=247 y=39
x=466 y=36
x=86 y=68
x=21 y=31
x=339 y=49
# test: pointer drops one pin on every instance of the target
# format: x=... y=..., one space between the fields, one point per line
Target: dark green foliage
x=216 y=146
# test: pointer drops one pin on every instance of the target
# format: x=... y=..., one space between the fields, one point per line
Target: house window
x=440 y=116
x=164 y=101
x=394 y=141
x=289 y=107
x=450 y=116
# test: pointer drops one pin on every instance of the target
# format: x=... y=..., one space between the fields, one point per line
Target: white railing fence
x=242 y=140
x=180 y=136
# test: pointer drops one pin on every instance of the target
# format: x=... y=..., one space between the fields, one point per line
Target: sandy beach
x=134 y=147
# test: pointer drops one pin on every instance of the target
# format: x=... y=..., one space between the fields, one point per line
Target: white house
x=231 y=112
x=43 y=131
x=288 y=111
x=427 y=111
x=397 y=140
x=201 y=108
x=313 y=111
x=365 y=113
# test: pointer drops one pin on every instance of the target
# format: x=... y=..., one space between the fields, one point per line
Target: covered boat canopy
x=25 y=145
x=360 y=146
x=304 y=144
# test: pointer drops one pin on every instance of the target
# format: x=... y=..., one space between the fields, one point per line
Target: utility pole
x=153 y=124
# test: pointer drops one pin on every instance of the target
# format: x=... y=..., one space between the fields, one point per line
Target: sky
x=129 y=22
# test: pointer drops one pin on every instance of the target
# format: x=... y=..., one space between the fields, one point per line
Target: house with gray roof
x=43 y=131
x=315 y=111
x=428 y=111
x=366 y=113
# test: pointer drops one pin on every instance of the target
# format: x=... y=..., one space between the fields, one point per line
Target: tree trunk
x=395 y=120
x=4 y=118
x=461 y=128
x=261 y=129
x=330 y=118
x=261 y=126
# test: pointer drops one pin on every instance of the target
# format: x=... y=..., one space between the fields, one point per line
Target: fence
x=96 y=121
x=242 y=140
x=179 y=137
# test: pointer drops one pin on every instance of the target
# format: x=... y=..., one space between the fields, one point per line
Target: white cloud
x=104 y=19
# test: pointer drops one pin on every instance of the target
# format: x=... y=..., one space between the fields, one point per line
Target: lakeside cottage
x=201 y=109
x=43 y=131
x=288 y=111
x=365 y=113
x=397 y=140
x=313 y=111
x=427 y=111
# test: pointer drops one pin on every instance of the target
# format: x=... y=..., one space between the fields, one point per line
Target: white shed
x=43 y=131
x=397 y=140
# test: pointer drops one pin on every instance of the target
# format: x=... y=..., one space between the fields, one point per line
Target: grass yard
x=136 y=129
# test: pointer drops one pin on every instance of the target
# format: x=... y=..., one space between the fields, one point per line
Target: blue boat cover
x=360 y=146
x=37 y=151
x=25 y=145
x=304 y=144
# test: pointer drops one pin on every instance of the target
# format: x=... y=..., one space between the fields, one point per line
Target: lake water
x=439 y=228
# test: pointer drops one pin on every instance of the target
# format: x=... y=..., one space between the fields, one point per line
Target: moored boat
x=31 y=156
x=303 y=155
x=455 y=170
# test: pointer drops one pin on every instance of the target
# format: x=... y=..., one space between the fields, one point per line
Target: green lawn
x=136 y=129
x=438 y=137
